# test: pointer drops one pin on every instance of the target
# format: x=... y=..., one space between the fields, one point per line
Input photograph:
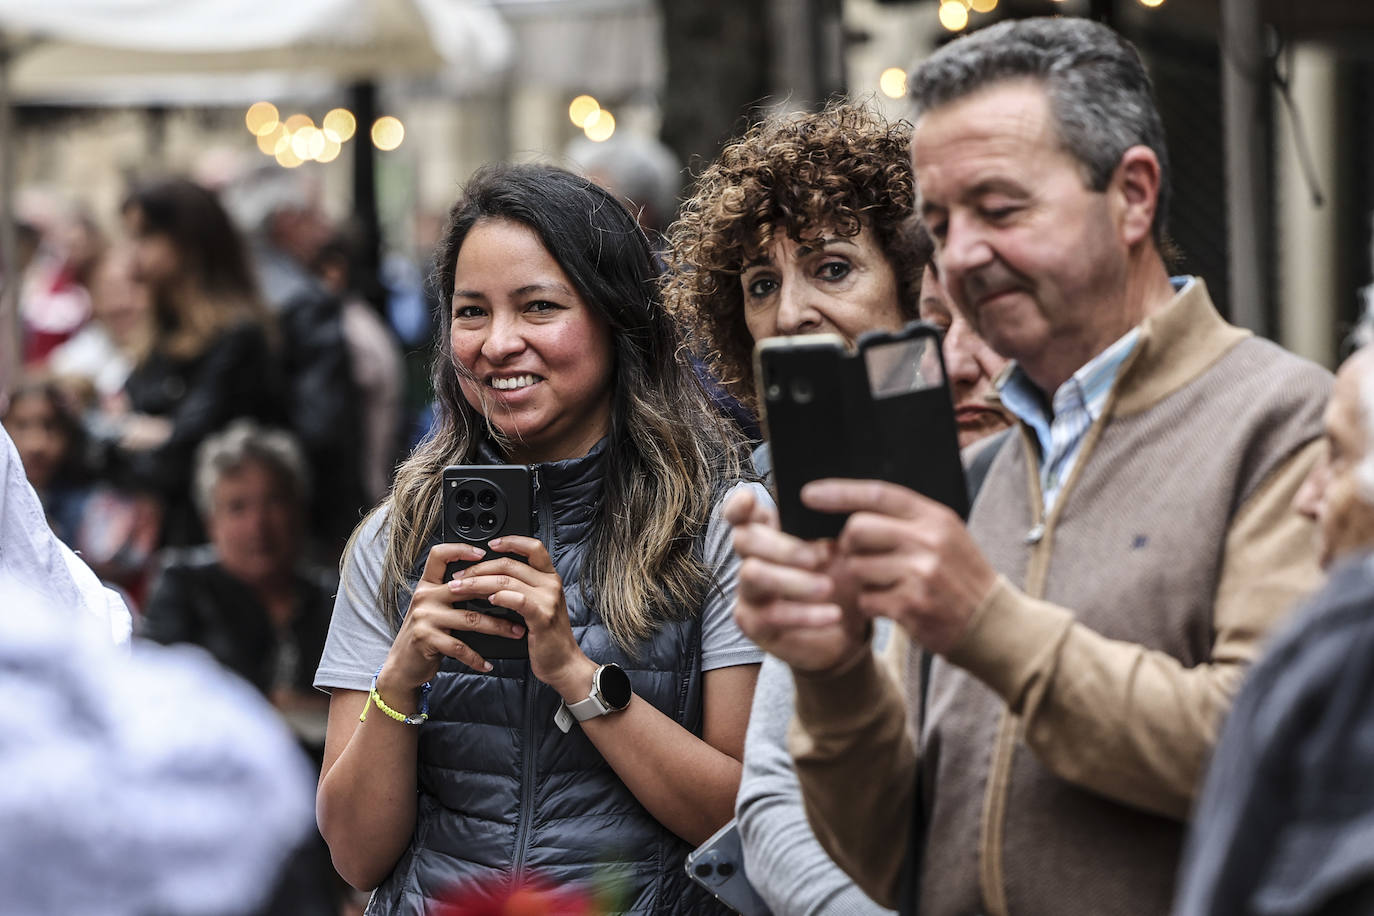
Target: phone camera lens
x=465 y=499
x=725 y=869
x=487 y=520
x=774 y=392
x=801 y=391
x=465 y=521
x=703 y=870
x=486 y=499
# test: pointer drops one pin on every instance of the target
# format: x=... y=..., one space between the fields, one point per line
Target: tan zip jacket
x=1066 y=734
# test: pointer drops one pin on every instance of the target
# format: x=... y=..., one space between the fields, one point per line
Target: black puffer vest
x=505 y=796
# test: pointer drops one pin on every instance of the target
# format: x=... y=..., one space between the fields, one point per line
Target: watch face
x=614 y=686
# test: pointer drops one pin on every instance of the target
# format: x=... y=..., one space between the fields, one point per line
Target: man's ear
x=1135 y=187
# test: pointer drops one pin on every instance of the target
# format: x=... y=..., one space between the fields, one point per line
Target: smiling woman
x=532 y=356
x=559 y=356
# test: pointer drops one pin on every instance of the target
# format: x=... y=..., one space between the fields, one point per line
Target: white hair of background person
x=643 y=171
x=242 y=441
x=32 y=557
x=253 y=198
x=146 y=781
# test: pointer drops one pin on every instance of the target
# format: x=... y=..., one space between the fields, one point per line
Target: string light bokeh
x=296 y=139
x=954 y=14
x=596 y=122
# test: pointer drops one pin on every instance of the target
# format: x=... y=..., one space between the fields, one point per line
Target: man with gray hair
x=1285 y=822
x=1064 y=659
x=248 y=597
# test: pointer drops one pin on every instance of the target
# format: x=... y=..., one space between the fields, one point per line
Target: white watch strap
x=582 y=710
x=589 y=708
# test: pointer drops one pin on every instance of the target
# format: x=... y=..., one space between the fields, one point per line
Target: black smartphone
x=718 y=866
x=881 y=411
x=482 y=502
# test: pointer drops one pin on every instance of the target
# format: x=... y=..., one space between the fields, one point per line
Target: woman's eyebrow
x=821 y=244
x=525 y=290
x=803 y=249
x=529 y=288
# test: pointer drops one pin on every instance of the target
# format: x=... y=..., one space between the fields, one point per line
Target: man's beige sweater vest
x=1065 y=735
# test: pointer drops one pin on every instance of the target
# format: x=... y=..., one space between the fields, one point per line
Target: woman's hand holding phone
x=534 y=590
x=426 y=635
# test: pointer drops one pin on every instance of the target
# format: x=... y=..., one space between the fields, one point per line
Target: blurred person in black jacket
x=287 y=229
x=1285 y=822
x=210 y=357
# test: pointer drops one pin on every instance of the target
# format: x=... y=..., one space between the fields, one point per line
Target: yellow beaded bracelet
x=375 y=699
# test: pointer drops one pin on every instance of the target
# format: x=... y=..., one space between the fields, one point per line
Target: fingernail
x=486 y=666
x=516 y=630
x=494 y=543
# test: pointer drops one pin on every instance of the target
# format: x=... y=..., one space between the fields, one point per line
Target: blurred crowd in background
x=208 y=405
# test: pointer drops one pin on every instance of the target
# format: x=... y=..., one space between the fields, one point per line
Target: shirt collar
x=1088 y=385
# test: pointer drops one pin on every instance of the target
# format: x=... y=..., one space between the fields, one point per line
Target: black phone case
x=823 y=419
x=468 y=519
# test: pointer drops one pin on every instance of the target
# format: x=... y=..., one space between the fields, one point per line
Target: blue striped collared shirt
x=1076 y=406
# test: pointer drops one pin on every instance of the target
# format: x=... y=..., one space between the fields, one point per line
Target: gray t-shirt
x=360 y=638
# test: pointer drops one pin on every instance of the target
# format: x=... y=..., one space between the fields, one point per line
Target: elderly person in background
x=804 y=225
x=1286 y=820
x=640 y=170
x=246 y=597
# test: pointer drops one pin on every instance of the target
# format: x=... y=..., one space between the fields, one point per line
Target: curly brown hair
x=840 y=170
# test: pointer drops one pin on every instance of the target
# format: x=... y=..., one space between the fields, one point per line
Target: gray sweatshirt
x=782 y=857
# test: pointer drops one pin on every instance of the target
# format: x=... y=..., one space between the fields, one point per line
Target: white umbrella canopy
x=72 y=42
x=61 y=48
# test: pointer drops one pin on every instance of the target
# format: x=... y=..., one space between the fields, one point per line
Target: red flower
x=502 y=897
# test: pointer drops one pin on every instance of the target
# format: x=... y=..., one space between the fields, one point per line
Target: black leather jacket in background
x=322 y=407
x=237 y=375
x=194 y=600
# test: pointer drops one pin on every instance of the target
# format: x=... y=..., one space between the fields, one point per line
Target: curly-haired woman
x=802 y=225
x=805 y=225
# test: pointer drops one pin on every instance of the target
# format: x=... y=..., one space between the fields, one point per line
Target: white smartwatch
x=610 y=693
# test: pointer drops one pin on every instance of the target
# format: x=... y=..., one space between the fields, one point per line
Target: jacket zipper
x=526 y=813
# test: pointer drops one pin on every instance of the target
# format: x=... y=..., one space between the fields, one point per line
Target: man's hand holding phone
x=909 y=558
x=789 y=601
x=895 y=553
